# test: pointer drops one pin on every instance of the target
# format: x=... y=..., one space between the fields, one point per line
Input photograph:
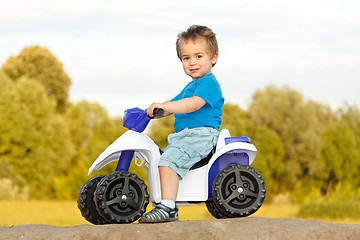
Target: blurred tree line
x=305 y=149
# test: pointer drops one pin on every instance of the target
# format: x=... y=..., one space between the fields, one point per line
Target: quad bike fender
x=234 y=148
x=143 y=146
x=144 y=149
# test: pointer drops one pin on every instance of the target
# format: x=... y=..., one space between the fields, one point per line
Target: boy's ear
x=214 y=58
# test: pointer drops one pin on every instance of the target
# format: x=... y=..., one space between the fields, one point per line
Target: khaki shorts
x=187 y=147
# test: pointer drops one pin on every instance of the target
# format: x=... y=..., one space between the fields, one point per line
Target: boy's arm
x=185 y=105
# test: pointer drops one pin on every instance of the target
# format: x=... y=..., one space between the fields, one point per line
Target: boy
x=197 y=110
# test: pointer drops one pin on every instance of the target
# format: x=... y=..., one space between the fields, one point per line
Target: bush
x=10 y=191
x=333 y=210
x=342 y=203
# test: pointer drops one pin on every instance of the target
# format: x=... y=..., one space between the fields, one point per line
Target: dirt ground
x=241 y=228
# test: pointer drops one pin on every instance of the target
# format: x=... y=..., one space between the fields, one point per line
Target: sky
x=121 y=54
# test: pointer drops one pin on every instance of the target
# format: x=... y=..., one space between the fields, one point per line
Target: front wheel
x=86 y=202
x=121 y=197
x=238 y=191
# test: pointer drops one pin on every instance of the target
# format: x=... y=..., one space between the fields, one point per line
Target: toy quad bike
x=224 y=180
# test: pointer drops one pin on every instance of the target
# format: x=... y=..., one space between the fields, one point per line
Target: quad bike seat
x=224 y=138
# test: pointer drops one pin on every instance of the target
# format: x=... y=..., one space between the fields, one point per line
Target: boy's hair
x=194 y=32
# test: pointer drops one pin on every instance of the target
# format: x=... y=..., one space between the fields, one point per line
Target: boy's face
x=196 y=58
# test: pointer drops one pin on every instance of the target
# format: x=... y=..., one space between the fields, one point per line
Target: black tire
x=86 y=202
x=214 y=211
x=239 y=191
x=121 y=197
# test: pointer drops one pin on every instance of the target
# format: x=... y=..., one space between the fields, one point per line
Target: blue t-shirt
x=209 y=115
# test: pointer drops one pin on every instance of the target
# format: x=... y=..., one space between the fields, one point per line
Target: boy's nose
x=192 y=61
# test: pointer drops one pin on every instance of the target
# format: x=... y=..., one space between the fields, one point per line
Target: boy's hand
x=150 y=109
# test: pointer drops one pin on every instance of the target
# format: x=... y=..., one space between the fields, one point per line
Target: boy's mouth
x=194 y=69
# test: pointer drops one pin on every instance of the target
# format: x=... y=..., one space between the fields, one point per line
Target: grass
x=66 y=213
x=57 y=213
x=335 y=211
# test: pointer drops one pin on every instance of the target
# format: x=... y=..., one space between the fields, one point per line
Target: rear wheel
x=238 y=191
x=121 y=197
x=214 y=211
x=86 y=202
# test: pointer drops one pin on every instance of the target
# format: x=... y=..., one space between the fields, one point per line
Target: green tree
x=276 y=109
x=236 y=120
x=40 y=64
x=273 y=107
x=269 y=161
x=34 y=142
x=351 y=114
x=299 y=124
x=91 y=131
x=341 y=157
x=9 y=121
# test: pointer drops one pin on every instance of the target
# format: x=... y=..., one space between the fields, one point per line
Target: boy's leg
x=166 y=210
x=169 y=180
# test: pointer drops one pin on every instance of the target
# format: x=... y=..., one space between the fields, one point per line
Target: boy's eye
x=199 y=56
x=185 y=58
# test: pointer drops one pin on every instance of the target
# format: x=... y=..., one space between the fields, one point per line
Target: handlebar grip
x=158 y=112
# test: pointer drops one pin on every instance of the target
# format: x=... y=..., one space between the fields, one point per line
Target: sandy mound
x=243 y=228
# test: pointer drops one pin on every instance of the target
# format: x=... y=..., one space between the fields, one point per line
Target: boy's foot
x=160 y=213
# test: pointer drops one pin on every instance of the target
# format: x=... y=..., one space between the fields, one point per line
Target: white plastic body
x=193 y=187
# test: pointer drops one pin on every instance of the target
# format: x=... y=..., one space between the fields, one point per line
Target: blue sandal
x=159 y=214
